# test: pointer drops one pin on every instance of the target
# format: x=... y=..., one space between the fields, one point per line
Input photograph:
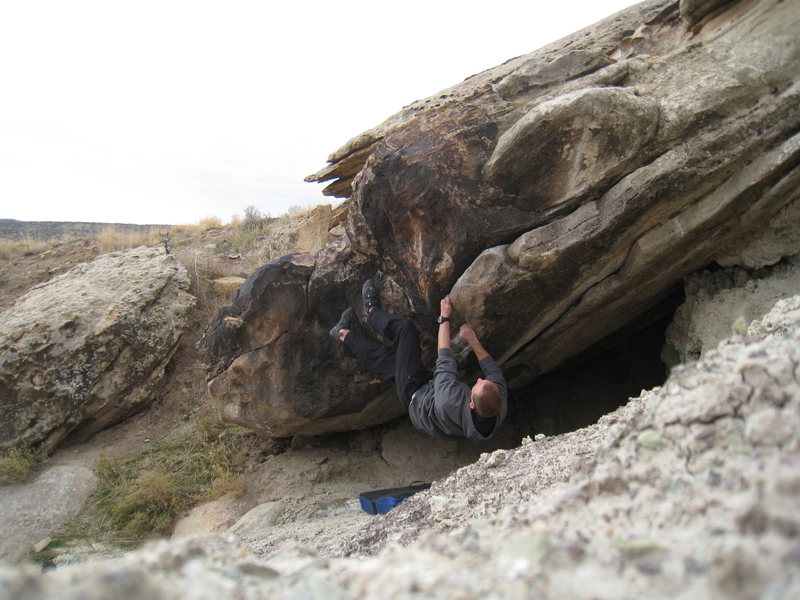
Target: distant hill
x=45 y=230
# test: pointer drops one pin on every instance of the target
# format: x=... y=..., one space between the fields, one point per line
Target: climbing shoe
x=344 y=323
x=369 y=295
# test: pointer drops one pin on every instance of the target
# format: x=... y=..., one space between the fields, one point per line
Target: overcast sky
x=173 y=111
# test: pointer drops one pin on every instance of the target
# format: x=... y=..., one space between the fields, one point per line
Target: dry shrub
x=16 y=466
x=228 y=484
x=204 y=269
x=149 y=506
x=254 y=219
x=245 y=233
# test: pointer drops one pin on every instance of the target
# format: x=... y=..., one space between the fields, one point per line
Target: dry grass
x=246 y=233
x=15 y=248
x=147 y=504
x=143 y=495
x=228 y=485
x=17 y=465
x=203 y=269
x=109 y=239
x=112 y=239
x=199 y=228
x=209 y=223
x=299 y=210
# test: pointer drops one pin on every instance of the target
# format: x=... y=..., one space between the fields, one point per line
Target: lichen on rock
x=87 y=348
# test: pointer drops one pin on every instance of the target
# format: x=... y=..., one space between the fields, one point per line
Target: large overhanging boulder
x=87 y=348
x=556 y=197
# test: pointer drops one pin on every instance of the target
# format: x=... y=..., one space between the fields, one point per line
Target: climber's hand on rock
x=467 y=333
x=446 y=307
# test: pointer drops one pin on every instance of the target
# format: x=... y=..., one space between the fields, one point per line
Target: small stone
x=754 y=520
x=41 y=544
x=257 y=570
x=768 y=428
x=739 y=326
x=640 y=549
x=649 y=566
x=693 y=566
x=650 y=439
x=496 y=459
x=792 y=557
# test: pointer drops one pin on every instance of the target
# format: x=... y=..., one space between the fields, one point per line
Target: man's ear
x=472 y=404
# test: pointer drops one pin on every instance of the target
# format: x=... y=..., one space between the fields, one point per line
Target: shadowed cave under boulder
x=597 y=381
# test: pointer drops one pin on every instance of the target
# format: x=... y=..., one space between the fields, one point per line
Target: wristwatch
x=441 y=319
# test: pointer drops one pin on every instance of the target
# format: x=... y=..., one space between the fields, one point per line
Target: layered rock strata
x=556 y=197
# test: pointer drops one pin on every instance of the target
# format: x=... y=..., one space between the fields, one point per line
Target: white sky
x=169 y=111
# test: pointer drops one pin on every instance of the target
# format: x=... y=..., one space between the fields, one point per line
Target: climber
x=437 y=402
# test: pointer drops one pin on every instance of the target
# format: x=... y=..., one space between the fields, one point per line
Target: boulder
x=556 y=197
x=254 y=522
x=312 y=233
x=215 y=516
x=87 y=348
x=278 y=371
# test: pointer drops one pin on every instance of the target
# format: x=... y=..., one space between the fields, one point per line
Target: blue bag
x=382 y=501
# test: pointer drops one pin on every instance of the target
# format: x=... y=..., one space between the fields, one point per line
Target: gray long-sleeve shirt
x=441 y=406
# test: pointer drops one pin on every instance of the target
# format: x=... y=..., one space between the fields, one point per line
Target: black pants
x=403 y=360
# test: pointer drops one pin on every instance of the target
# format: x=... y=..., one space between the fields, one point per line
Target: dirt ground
x=18 y=275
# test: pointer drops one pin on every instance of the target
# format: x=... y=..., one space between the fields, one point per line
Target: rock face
x=556 y=197
x=279 y=372
x=26 y=519
x=86 y=349
x=689 y=491
x=723 y=302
